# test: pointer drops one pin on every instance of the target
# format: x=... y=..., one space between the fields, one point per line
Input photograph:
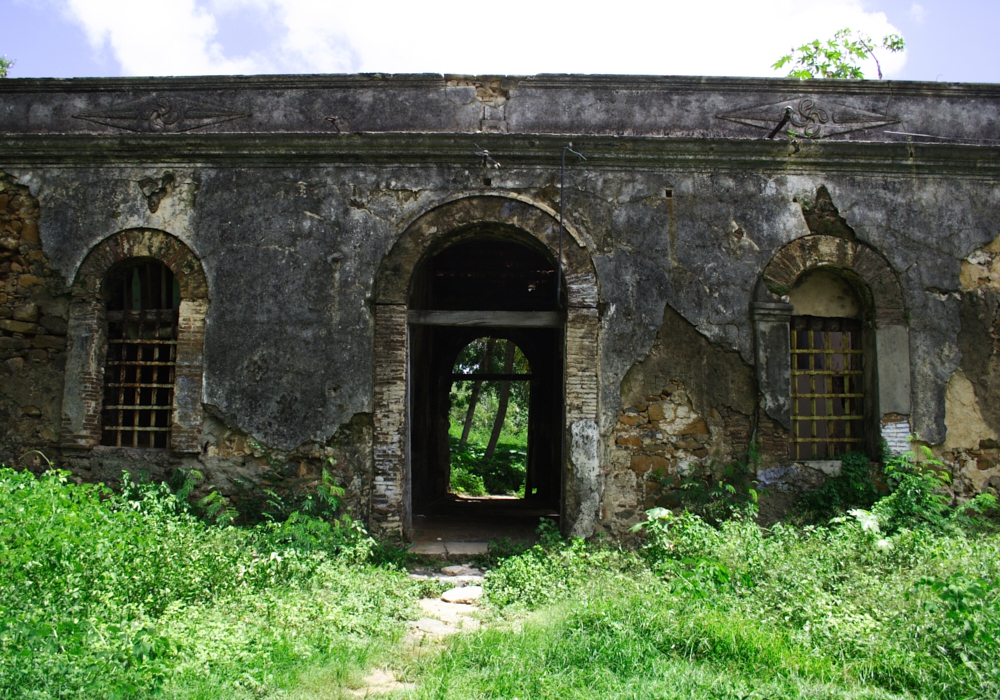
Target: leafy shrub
x=854 y=488
x=275 y=496
x=919 y=497
x=119 y=595
x=551 y=570
x=462 y=481
x=732 y=493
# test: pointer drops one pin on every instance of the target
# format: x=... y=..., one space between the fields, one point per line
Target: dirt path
x=454 y=611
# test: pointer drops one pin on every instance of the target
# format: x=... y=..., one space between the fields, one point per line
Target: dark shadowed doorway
x=484 y=320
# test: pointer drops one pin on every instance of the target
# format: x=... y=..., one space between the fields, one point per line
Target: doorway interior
x=486 y=331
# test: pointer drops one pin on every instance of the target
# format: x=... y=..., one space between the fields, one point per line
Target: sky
x=949 y=41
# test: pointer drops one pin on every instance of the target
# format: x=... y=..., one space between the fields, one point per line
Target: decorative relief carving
x=161 y=115
x=809 y=118
x=155 y=189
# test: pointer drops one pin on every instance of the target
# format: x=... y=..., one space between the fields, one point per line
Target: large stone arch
x=881 y=294
x=87 y=344
x=426 y=234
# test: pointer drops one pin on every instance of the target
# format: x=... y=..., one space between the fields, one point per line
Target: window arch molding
x=87 y=337
x=881 y=295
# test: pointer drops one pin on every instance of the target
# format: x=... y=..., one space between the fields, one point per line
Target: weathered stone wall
x=33 y=309
x=972 y=398
x=679 y=209
x=34 y=306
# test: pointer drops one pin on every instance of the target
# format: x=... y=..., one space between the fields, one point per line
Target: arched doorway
x=405 y=360
x=494 y=284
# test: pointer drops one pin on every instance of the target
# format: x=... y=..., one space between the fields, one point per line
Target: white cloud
x=712 y=37
x=918 y=13
x=174 y=39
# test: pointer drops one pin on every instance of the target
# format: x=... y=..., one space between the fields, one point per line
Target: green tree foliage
x=5 y=64
x=919 y=497
x=489 y=414
x=839 y=57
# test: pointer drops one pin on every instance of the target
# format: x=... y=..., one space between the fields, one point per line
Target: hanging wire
x=562 y=207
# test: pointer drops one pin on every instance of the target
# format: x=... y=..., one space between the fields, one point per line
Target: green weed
x=128 y=595
x=850 y=610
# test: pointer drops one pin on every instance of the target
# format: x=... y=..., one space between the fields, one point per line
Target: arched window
x=143 y=299
x=828 y=384
x=832 y=348
x=135 y=341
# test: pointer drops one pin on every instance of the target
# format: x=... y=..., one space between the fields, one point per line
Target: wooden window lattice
x=142 y=355
x=827 y=387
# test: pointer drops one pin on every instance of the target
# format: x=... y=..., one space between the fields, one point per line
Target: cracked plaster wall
x=291 y=254
x=291 y=250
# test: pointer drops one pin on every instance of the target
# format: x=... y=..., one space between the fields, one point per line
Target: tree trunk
x=476 y=388
x=508 y=367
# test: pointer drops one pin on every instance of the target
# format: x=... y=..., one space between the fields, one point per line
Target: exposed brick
x=390 y=436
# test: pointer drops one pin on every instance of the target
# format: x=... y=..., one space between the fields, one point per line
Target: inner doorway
x=485 y=292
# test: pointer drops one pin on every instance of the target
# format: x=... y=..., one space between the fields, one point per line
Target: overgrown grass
x=839 y=611
x=822 y=613
x=105 y=595
x=129 y=595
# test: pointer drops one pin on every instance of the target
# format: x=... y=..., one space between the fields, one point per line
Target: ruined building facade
x=259 y=277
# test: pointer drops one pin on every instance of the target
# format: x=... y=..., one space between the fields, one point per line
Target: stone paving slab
x=433 y=548
x=449 y=548
x=466 y=548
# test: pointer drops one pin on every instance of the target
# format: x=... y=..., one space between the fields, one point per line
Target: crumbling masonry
x=834 y=287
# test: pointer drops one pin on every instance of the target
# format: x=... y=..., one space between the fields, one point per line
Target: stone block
x=8 y=343
x=53 y=324
x=52 y=342
x=26 y=312
x=697 y=427
x=629 y=419
x=29 y=232
x=658 y=410
x=640 y=464
x=659 y=465
x=669 y=499
x=19 y=326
